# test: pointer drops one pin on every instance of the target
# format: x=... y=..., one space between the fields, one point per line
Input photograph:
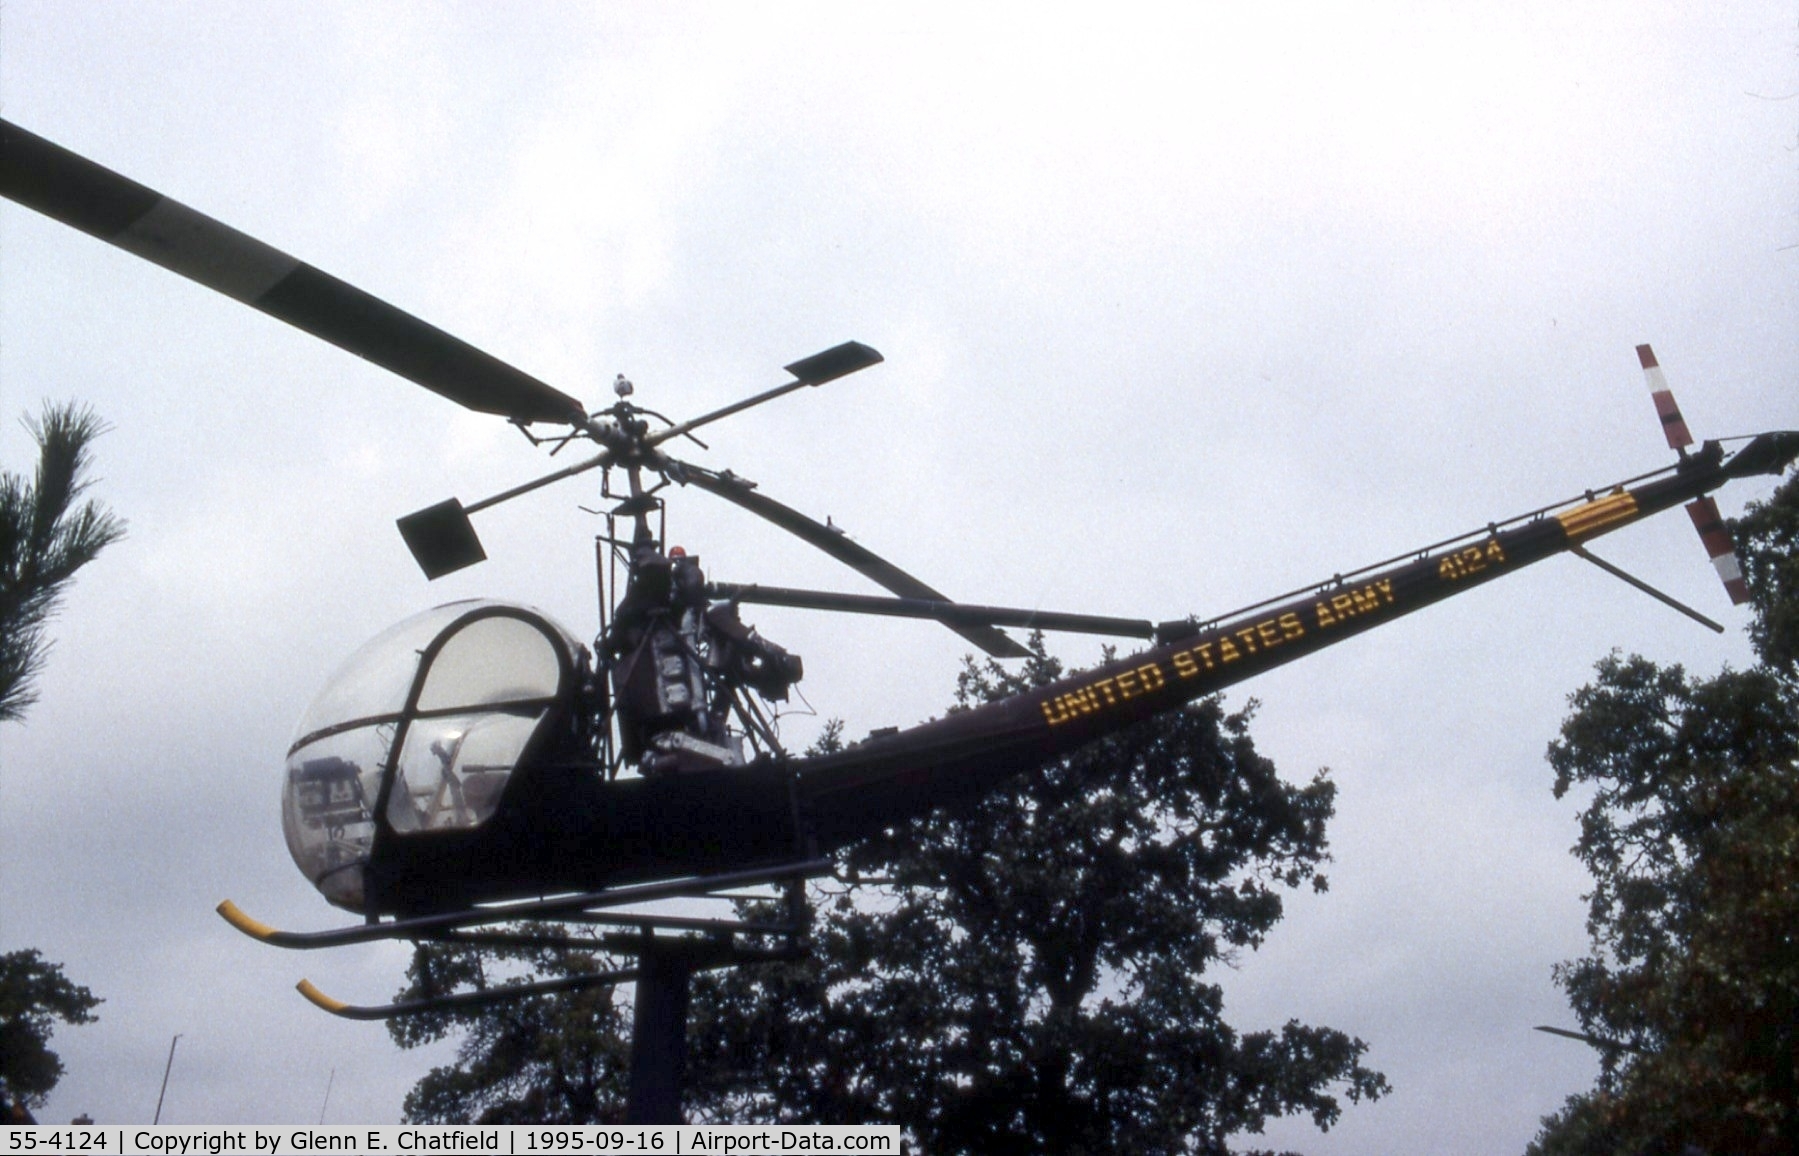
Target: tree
x=1028 y=975
x=557 y=1060
x=34 y=994
x=44 y=540
x=1692 y=839
x=1024 y=974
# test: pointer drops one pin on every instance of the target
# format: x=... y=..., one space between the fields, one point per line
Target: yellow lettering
x=1248 y=635
x=1385 y=585
x=1462 y=563
x=1227 y=652
x=1365 y=600
x=1291 y=627
x=1344 y=605
x=1106 y=692
x=1204 y=650
x=1184 y=664
x=1325 y=617
x=1267 y=633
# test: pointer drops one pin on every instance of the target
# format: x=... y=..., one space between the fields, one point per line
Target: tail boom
x=889 y=778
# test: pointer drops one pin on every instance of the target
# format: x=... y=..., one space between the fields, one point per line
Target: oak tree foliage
x=1691 y=835
x=34 y=994
x=554 y=1060
x=1028 y=976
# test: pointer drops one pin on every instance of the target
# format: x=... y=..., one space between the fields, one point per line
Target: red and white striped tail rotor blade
x=1673 y=425
x=1723 y=553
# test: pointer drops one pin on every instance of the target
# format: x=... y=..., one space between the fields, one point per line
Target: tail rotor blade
x=1703 y=511
x=1674 y=426
x=1718 y=545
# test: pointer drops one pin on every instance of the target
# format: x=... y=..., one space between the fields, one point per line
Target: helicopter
x=480 y=763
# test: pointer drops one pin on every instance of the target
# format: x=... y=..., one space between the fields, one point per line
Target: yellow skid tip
x=319 y=998
x=255 y=929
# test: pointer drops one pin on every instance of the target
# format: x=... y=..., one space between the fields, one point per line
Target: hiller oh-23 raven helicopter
x=478 y=764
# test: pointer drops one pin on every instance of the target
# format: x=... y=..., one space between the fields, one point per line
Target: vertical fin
x=1673 y=425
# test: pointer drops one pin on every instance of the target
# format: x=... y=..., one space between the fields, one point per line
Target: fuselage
x=563 y=826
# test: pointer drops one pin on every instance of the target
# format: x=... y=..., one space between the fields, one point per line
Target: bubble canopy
x=419 y=731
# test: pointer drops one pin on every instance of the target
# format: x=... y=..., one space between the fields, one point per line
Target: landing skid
x=690 y=955
x=589 y=907
x=664 y=971
x=474 y=999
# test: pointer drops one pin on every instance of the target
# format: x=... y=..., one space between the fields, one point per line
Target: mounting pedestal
x=664 y=973
x=659 y=1036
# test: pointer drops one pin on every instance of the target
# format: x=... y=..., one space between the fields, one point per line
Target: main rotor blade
x=949 y=613
x=70 y=188
x=833 y=542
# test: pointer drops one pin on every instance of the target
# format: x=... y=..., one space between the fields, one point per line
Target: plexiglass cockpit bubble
x=419 y=731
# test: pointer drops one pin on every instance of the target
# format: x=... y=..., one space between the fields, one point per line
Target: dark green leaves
x=558 y=1059
x=1029 y=975
x=1692 y=838
x=33 y=996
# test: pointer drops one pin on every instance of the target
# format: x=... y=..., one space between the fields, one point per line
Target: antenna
x=165 y=1078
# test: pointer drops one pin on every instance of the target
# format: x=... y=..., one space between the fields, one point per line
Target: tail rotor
x=1703 y=511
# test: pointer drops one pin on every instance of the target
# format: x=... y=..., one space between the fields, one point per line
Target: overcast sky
x=1179 y=311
